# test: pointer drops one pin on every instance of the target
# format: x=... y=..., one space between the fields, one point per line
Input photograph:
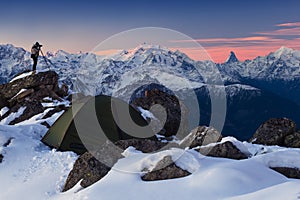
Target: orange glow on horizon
x=218 y=54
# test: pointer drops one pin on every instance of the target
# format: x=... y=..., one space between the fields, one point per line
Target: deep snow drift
x=33 y=171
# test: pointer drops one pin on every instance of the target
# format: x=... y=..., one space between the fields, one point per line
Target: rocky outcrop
x=49 y=78
x=201 y=136
x=292 y=140
x=32 y=108
x=1 y=158
x=224 y=150
x=274 y=131
x=174 y=110
x=165 y=169
x=29 y=91
x=288 y=171
x=88 y=169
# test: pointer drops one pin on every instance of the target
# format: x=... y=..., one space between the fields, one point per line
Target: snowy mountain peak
x=282 y=51
x=232 y=58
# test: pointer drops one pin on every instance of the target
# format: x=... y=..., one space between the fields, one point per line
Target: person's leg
x=34 y=64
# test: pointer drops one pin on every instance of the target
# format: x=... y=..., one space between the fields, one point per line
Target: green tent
x=91 y=117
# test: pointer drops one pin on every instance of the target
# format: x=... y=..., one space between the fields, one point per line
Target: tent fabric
x=63 y=135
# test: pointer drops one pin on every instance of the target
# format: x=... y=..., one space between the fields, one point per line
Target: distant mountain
x=232 y=58
x=274 y=78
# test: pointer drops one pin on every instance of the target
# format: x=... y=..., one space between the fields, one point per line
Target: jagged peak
x=232 y=58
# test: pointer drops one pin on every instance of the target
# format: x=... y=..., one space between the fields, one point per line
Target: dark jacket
x=35 y=50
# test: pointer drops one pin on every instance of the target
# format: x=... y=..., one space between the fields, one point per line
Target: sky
x=249 y=28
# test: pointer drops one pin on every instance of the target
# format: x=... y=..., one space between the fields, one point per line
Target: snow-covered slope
x=212 y=178
x=33 y=171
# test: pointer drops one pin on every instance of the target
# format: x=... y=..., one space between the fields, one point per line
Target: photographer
x=35 y=50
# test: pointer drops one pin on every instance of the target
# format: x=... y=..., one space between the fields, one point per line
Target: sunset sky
x=249 y=28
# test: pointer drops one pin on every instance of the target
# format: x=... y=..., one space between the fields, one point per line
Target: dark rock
x=8 y=142
x=55 y=110
x=165 y=169
x=1 y=158
x=91 y=167
x=224 y=150
x=46 y=124
x=63 y=90
x=273 y=131
x=37 y=87
x=3 y=102
x=87 y=168
x=292 y=140
x=9 y=90
x=175 y=110
x=201 y=136
x=32 y=108
x=288 y=172
x=144 y=145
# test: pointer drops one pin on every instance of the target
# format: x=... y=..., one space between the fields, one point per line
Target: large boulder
x=165 y=169
x=224 y=150
x=288 y=171
x=274 y=131
x=144 y=145
x=292 y=140
x=88 y=169
x=201 y=136
x=175 y=110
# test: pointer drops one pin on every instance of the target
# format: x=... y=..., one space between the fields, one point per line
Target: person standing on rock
x=35 y=51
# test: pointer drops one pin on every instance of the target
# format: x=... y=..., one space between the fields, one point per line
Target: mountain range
x=267 y=86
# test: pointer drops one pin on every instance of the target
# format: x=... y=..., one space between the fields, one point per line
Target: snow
x=146 y=114
x=12 y=116
x=3 y=110
x=54 y=103
x=31 y=169
x=212 y=178
x=21 y=76
x=287 y=190
x=21 y=91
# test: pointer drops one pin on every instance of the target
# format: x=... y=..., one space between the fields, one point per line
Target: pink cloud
x=219 y=52
x=282 y=32
x=226 y=40
x=289 y=24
